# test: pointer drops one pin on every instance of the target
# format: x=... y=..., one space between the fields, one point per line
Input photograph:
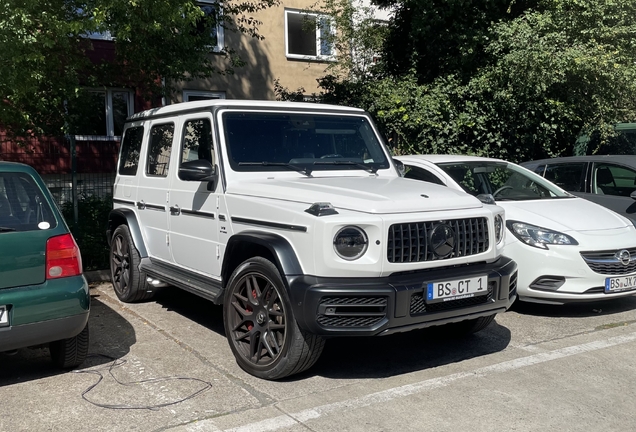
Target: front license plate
x=4 y=316
x=621 y=283
x=456 y=289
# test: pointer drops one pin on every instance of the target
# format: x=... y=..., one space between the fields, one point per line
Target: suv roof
x=189 y=106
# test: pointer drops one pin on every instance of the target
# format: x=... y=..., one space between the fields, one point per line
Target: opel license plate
x=4 y=316
x=621 y=283
x=456 y=289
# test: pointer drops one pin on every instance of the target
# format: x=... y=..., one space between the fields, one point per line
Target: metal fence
x=73 y=168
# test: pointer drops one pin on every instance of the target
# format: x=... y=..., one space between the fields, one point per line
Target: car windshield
x=504 y=181
x=266 y=141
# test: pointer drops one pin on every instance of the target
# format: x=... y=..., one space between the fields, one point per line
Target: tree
x=518 y=83
x=45 y=51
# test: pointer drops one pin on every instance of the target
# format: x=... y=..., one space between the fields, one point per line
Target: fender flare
x=128 y=217
x=282 y=251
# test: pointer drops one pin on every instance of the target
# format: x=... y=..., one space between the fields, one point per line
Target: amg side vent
x=431 y=241
x=351 y=312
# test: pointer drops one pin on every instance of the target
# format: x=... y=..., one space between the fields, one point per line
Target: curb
x=97 y=276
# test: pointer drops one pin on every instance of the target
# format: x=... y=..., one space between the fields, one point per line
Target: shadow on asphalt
x=361 y=357
x=111 y=337
x=193 y=307
x=576 y=310
x=387 y=356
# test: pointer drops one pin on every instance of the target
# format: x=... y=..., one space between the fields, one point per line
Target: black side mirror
x=487 y=198
x=399 y=165
x=199 y=170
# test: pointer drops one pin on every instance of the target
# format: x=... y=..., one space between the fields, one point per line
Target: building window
x=193 y=95
x=308 y=36
x=211 y=21
x=100 y=113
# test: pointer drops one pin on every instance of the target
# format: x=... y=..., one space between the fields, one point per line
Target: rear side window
x=567 y=176
x=130 y=150
x=22 y=204
x=159 y=149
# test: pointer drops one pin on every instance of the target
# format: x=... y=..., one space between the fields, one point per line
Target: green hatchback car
x=44 y=298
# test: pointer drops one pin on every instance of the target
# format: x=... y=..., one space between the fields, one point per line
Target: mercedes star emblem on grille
x=442 y=240
x=623 y=256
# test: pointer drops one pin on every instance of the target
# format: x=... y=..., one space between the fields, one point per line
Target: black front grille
x=351 y=311
x=410 y=242
x=419 y=306
x=607 y=262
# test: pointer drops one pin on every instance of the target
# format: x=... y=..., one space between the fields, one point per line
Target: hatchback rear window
x=22 y=204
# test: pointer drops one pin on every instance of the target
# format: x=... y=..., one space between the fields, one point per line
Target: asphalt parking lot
x=165 y=365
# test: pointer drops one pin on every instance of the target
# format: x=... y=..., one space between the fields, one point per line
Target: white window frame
x=108 y=106
x=204 y=94
x=318 y=56
x=220 y=30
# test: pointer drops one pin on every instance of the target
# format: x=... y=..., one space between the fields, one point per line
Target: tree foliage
x=45 y=52
x=520 y=81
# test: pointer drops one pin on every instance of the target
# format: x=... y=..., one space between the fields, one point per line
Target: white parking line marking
x=292 y=419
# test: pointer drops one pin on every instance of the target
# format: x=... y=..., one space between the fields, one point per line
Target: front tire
x=128 y=281
x=71 y=352
x=260 y=326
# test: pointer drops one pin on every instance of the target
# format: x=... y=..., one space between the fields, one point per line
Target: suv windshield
x=506 y=182
x=263 y=141
x=22 y=204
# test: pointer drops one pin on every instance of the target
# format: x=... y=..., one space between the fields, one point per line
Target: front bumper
x=380 y=306
x=578 y=282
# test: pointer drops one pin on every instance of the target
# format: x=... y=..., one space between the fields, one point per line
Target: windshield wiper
x=6 y=229
x=367 y=168
x=306 y=170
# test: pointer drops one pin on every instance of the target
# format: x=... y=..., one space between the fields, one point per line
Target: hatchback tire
x=71 y=352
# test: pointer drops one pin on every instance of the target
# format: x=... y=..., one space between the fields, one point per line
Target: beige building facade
x=290 y=52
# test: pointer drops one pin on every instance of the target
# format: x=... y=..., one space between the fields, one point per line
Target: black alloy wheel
x=259 y=323
x=128 y=281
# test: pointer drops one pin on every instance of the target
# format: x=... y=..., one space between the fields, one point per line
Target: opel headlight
x=537 y=236
x=499 y=229
x=350 y=243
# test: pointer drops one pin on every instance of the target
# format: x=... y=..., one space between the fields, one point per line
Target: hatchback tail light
x=63 y=257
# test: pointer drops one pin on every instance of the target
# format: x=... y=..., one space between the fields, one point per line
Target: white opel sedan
x=568 y=249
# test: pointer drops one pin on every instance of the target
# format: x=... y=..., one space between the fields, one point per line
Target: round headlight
x=499 y=229
x=350 y=243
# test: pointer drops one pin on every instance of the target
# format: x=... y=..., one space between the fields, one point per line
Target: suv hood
x=364 y=194
x=566 y=214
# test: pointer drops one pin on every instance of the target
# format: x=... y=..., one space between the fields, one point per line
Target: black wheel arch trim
x=284 y=255
x=127 y=216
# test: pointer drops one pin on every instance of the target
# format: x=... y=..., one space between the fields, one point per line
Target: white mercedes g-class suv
x=295 y=217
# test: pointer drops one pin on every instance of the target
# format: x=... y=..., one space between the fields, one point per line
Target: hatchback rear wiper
x=306 y=171
x=367 y=168
x=6 y=229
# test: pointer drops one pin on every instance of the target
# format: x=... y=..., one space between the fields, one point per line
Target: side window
x=613 y=180
x=130 y=150
x=159 y=149
x=197 y=141
x=418 y=173
x=568 y=176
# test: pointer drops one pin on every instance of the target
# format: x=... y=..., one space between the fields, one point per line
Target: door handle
x=175 y=210
x=141 y=205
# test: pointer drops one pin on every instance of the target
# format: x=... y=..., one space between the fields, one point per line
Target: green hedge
x=90 y=230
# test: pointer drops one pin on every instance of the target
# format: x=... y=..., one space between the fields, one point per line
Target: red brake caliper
x=250 y=326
